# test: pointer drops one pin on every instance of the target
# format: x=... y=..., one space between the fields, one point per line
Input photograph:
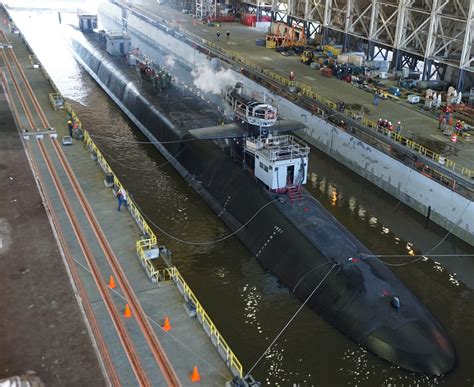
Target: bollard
x=109 y=180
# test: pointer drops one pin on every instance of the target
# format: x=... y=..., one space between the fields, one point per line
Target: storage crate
x=327 y=72
x=270 y=44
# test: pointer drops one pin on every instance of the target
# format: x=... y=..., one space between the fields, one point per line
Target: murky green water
x=246 y=303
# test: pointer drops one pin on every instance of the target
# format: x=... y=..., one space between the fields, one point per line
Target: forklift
x=307 y=57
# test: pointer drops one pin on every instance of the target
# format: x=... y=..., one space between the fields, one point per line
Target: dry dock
x=46 y=318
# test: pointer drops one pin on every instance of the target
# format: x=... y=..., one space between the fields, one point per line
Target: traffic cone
x=128 y=312
x=454 y=137
x=112 y=282
x=195 y=377
x=167 y=325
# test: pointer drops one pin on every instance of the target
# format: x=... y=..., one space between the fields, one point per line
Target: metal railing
x=171 y=273
x=57 y=101
x=149 y=241
x=216 y=338
x=309 y=92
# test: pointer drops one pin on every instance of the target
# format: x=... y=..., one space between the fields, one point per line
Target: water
x=247 y=304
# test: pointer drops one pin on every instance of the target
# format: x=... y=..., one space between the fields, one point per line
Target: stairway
x=294 y=193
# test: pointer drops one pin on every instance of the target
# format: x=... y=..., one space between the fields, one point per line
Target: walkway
x=186 y=345
x=417 y=125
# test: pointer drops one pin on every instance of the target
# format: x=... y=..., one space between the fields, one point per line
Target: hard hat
x=390 y=122
x=398 y=122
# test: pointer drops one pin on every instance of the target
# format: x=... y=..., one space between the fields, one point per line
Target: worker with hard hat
x=399 y=127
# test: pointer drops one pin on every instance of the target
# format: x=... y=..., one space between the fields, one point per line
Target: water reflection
x=247 y=304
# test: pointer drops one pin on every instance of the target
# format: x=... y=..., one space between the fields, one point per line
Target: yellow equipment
x=307 y=57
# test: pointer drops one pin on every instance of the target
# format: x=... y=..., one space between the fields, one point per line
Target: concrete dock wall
x=447 y=208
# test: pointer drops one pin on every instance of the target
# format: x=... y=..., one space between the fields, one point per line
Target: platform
x=186 y=345
x=41 y=325
x=417 y=124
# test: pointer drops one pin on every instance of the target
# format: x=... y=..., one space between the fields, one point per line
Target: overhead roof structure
x=438 y=32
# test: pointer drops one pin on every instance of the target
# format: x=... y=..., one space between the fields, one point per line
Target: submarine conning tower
x=280 y=161
x=248 y=110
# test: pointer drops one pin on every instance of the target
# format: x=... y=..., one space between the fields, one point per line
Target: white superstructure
x=280 y=161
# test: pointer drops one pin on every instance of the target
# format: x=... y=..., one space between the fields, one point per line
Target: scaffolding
x=436 y=33
x=206 y=9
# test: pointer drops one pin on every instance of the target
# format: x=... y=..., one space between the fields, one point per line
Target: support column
x=397 y=60
x=370 y=50
x=325 y=38
x=346 y=39
x=426 y=69
x=460 y=81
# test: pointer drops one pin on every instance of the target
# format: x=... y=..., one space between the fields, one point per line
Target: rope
x=290 y=320
x=402 y=264
x=208 y=242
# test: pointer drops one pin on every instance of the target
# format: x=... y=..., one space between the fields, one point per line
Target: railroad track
x=28 y=105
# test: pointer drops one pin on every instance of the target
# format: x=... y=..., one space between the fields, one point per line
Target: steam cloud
x=212 y=81
x=170 y=61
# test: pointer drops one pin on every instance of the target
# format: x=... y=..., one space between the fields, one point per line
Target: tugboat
x=282 y=224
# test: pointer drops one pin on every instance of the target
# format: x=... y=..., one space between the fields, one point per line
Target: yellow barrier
x=172 y=273
x=308 y=91
x=57 y=101
x=207 y=323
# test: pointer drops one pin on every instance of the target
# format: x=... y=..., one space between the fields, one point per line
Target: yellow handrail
x=230 y=357
x=171 y=273
x=309 y=92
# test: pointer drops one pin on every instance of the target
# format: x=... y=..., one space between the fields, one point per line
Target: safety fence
x=147 y=245
x=309 y=92
x=172 y=273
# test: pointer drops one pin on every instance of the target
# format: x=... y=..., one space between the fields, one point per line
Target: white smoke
x=211 y=80
x=170 y=61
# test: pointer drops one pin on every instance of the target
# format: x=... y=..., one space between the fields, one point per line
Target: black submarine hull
x=299 y=247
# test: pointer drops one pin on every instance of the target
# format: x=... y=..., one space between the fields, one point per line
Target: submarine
x=251 y=173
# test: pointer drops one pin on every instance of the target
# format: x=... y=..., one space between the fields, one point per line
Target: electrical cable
x=147 y=168
x=314 y=269
x=159 y=326
x=290 y=320
x=428 y=253
x=404 y=190
x=417 y=255
x=401 y=264
x=208 y=242
x=316 y=200
x=143 y=142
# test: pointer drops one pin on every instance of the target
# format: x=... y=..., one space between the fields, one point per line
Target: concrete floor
x=417 y=125
x=186 y=344
x=41 y=326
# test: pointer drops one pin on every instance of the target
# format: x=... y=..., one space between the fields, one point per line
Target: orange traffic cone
x=454 y=137
x=112 y=282
x=167 y=325
x=128 y=312
x=195 y=377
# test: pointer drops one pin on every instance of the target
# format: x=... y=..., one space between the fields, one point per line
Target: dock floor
x=186 y=345
x=41 y=325
x=418 y=125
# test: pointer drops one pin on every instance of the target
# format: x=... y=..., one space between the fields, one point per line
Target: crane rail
x=157 y=350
